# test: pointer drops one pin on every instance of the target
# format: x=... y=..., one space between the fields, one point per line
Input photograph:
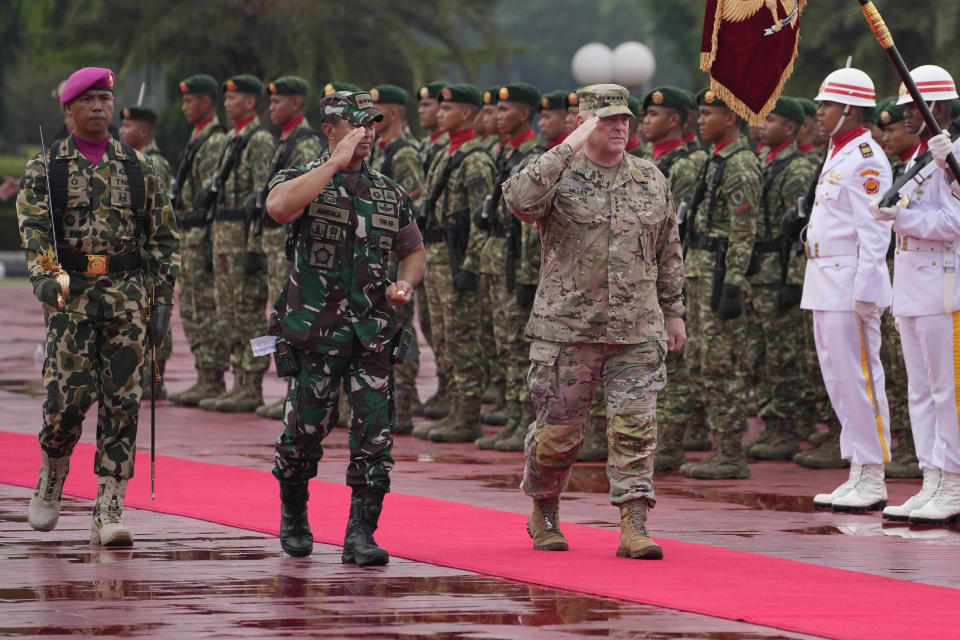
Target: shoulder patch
x=865 y=150
x=638 y=175
x=869 y=172
x=871 y=185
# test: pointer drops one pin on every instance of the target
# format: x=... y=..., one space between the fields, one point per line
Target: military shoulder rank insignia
x=865 y=150
x=638 y=175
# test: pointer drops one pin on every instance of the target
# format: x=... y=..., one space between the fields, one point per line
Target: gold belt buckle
x=97 y=265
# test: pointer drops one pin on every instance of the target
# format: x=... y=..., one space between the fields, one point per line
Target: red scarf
x=805 y=148
x=632 y=144
x=435 y=135
x=197 y=128
x=906 y=155
x=240 y=124
x=290 y=126
x=718 y=147
x=663 y=148
x=559 y=139
x=773 y=152
x=458 y=138
x=840 y=141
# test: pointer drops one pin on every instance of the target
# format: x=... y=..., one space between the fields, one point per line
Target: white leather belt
x=945 y=249
x=829 y=249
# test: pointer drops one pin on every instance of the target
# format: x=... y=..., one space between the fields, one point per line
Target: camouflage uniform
x=456 y=332
x=508 y=317
x=241 y=298
x=333 y=312
x=775 y=343
x=95 y=346
x=599 y=313
x=198 y=309
x=726 y=216
x=404 y=169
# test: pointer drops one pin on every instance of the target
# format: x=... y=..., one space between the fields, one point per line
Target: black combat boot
x=295 y=535
x=358 y=544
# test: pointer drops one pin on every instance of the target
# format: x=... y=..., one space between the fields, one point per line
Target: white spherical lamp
x=633 y=64
x=592 y=64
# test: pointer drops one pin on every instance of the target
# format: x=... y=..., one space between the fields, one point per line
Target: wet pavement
x=187 y=578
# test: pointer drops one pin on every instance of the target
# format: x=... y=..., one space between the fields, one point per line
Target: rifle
x=687 y=212
x=892 y=195
x=61 y=276
x=155 y=380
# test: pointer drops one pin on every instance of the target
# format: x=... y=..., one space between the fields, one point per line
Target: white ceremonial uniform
x=846 y=250
x=926 y=302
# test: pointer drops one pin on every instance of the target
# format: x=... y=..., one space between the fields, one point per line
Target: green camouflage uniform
x=241 y=298
x=165 y=174
x=683 y=401
x=611 y=277
x=428 y=152
x=456 y=331
x=198 y=309
x=307 y=150
x=334 y=313
x=728 y=213
x=404 y=169
x=775 y=344
x=511 y=348
x=95 y=346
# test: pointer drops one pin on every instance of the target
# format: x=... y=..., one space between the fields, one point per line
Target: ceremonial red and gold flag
x=748 y=48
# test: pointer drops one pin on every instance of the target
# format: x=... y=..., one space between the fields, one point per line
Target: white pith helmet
x=848 y=86
x=934 y=82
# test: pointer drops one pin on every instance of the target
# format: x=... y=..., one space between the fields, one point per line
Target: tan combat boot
x=500 y=412
x=697 y=438
x=248 y=398
x=209 y=385
x=403 y=401
x=669 y=455
x=272 y=411
x=423 y=430
x=635 y=542
x=45 y=503
x=825 y=456
x=514 y=442
x=727 y=462
x=465 y=426
x=777 y=441
x=543 y=525
x=107 y=528
x=439 y=405
x=513 y=419
x=210 y=403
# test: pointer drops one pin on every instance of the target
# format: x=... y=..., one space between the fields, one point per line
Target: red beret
x=84 y=79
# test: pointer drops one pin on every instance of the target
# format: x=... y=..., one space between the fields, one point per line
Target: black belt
x=499 y=232
x=228 y=215
x=186 y=225
x=769 y=246
x=432 y=236
x=708 y=243
x=101 y=264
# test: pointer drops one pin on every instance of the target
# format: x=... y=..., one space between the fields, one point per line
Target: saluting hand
x=581 y=133
x=342 y=154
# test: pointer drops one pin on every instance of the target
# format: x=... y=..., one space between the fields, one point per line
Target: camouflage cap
x=333 y=87
x=289 y=86
x=140 y=113
x=522 y=92
x=887 y=112
x=356 y=107
x=789 y=108
x=669 y=97
x=556 y=100
x=491 y=95
x=635 y=106
x=390 y=94
x=604 y=100
x=244 y=83
x=201 y=84
x=462 y=92
x=809 y=107
x=707 y=98
x=431 y=90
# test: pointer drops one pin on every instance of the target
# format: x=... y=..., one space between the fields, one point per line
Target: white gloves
x=882 y=213
x=940 y=146
x=867 y=311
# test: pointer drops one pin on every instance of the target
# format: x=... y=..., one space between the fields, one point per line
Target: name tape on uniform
x=264 y=345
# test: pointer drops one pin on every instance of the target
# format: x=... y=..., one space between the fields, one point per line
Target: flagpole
x=882 y=33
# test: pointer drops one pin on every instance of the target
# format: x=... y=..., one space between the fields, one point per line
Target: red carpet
x=729 y=584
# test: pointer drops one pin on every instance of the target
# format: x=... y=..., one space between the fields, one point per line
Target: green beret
x=200 y=83
x=244 y=83
x=707 y=98
x=691 y=100
x=431 y=90
x=522 y=92
x=390 y=94
x=462 y=92
x=139 y=112
x=888 y=111
x=555 y=100
x=670 y=97
x=635 y=106
x=789 y=108
x=331 y=87
x=490 y=95
x=289 y=86
x=809 y=107
x=604 y=100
